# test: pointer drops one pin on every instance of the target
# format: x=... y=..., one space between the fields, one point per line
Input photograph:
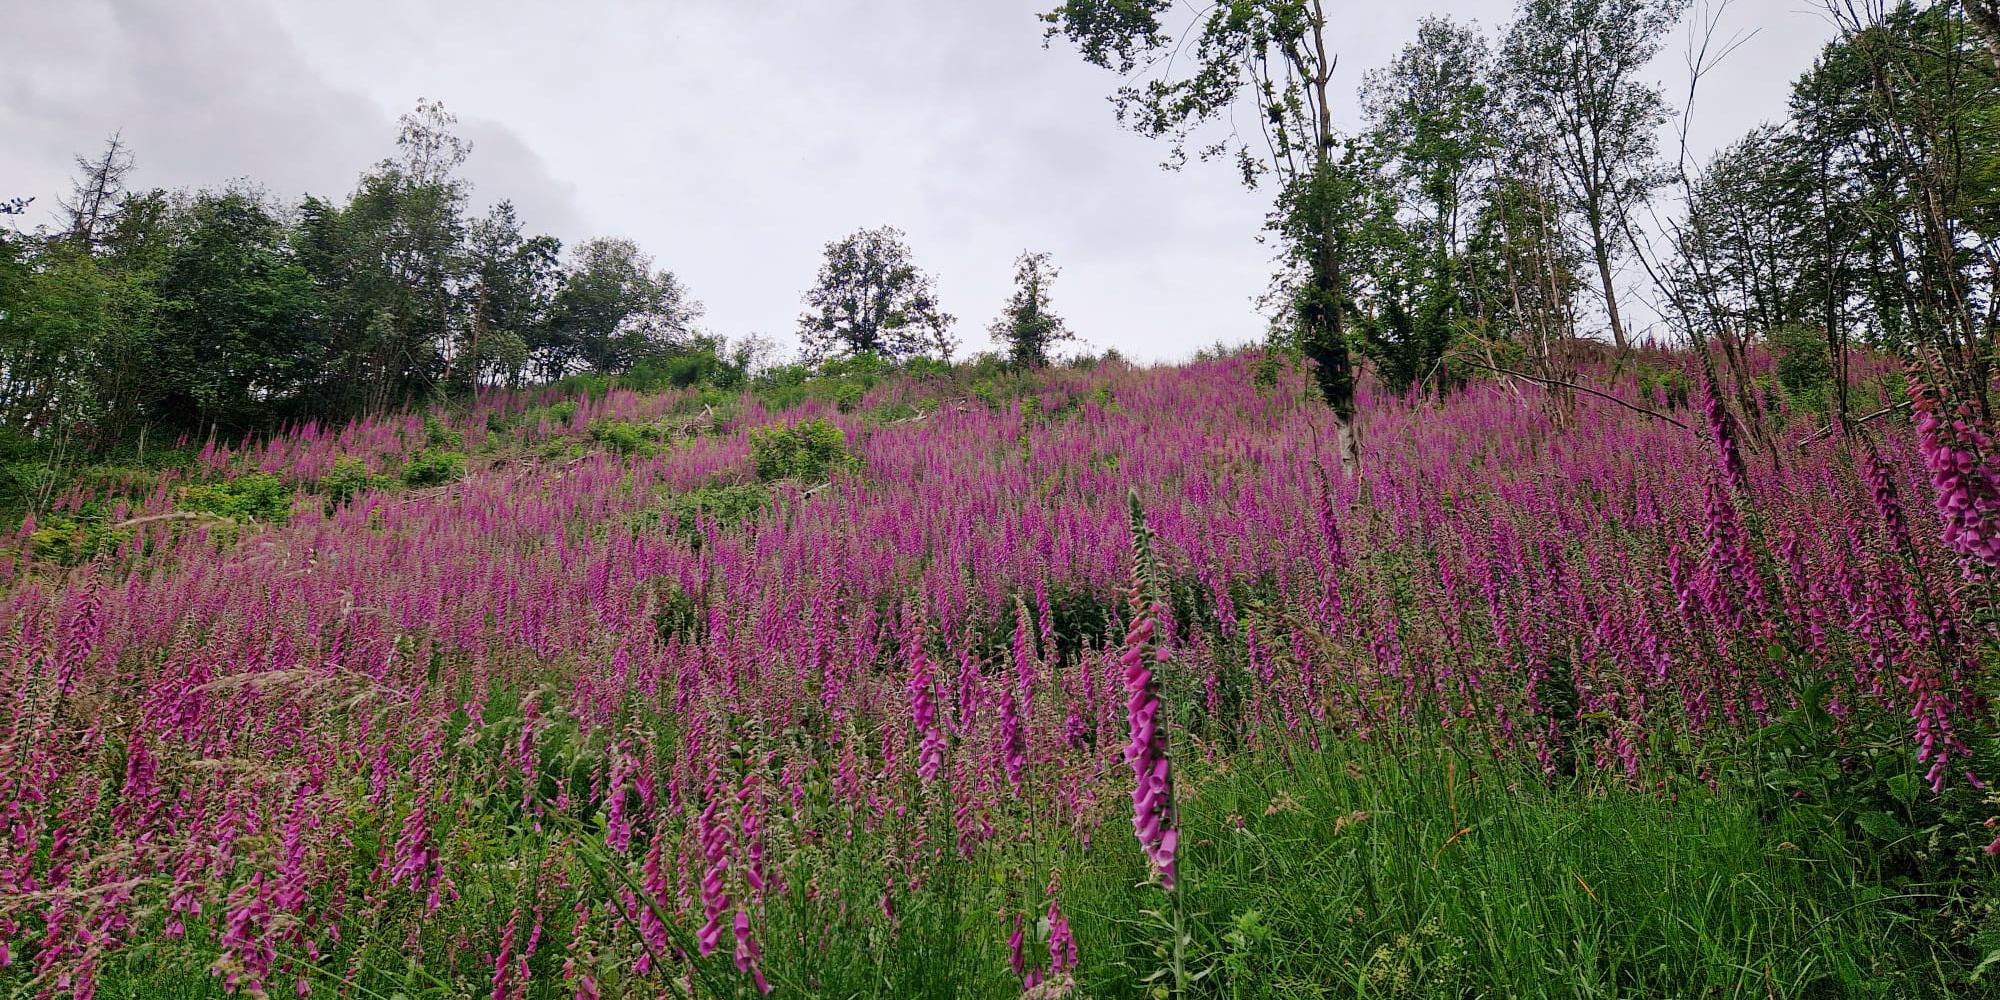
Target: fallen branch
x=1856 y=422
x=1628 y=404
x=429 y=493
x=176 y=515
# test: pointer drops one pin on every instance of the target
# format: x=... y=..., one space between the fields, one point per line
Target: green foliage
x=1598 y=128
x=1857 y=780
x=701 y=362
x=895 y=412
x=433 y=468
x=810 y=450
x=23 y=481
x=1668 y=384
x=438 y=435
x=71 y=541
x=1027 y=326
x=1276 y=55
x=583 y=385
x=224 y=312
x=842 y=381
x=724 y=504
x=870 y=298
x=616 y=311
x=1805 y=365
x=562 y=412
x=677 y=615
x=627 y=438
x=348 y=479
x=232 y=300
x=258 y=496
x=1415 y=870
x=502 y=421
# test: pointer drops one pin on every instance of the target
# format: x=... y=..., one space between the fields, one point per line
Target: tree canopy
x=870 y=298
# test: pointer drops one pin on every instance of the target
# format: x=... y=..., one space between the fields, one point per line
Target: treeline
x=1871 y=213
x=1507 y=194
x=221 y=311
x=1504 y=198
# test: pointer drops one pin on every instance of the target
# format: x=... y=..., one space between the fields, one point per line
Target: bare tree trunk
x=1341 y=381
x=1602 y=248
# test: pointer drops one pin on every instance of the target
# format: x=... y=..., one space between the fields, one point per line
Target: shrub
x=349 y=478
x=437 y=435
x=726 y=504
x=844 y=382
x=702 y=362
x=259 y=496
x=71 y=541
x=587 y=385
x=1805 y=365
x=21 y=481
x=627 y=438
x=895 y=412
x=556 y=415
x=433 y=468
x=810 y=450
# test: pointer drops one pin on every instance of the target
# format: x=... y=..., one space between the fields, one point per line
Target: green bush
x=18 y=446
x=725 y=504
x=21 y=481
x=810 y=450
x=894 y=412
x=844 y=382
x=437 y=435
x=627 y=438
x=557 y=414
x=348 y=479
x=71 y=541
x=433 y=468
x=259 y=496
x=1805 y=365
x=702 y=362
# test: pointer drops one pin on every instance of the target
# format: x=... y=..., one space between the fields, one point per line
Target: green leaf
x=1903 y=787
x=1984 y=964
x=1881 y=825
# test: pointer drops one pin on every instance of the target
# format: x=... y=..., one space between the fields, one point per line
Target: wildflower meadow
x=1097 y=681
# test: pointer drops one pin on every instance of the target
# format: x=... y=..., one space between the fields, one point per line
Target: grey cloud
x=206 y=91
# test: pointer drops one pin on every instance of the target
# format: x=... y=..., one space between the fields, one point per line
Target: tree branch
x=1856 y=422
x=1628 y=404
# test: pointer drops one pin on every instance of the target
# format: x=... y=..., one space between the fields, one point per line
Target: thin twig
x=1628 y=404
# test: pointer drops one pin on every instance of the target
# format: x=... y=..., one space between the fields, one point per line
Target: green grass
x=1367 y=870
x=1416 y=872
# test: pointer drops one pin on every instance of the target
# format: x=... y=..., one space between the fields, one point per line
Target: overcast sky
x=733 y=138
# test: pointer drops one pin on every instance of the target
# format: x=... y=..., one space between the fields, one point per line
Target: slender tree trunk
x=1336 y=376
x=1602 y=248
x=1836 y=341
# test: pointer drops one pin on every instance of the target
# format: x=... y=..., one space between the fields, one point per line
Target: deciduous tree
x=871 y=298
x=1576 y=96
x=1027 y=325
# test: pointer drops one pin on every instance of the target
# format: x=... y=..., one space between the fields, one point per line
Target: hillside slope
x=1558 y=699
